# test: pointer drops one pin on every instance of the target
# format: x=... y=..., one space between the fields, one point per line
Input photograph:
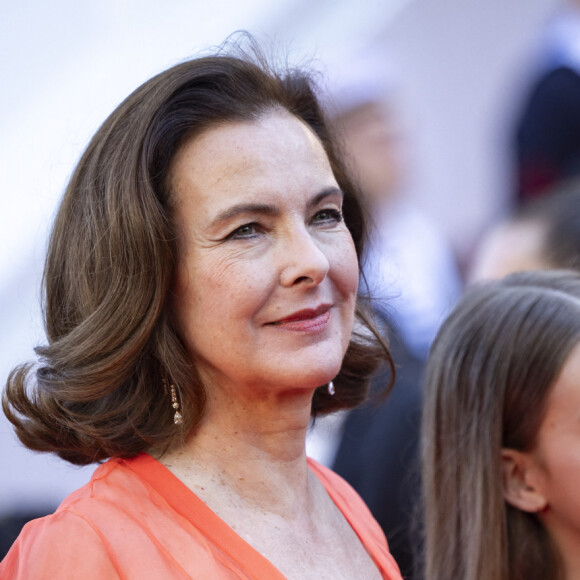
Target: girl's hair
x=97 y=390
x=491 y=369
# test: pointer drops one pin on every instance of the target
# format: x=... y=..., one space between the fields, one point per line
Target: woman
x=201 y=289
x=500 y=433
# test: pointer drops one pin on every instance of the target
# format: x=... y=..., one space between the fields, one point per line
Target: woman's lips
x=309 y=320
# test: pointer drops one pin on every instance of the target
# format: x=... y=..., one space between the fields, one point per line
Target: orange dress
x=136 y=520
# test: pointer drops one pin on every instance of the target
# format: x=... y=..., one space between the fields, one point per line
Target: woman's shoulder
x=127 y=522
x=89 y=532
x=62 y=545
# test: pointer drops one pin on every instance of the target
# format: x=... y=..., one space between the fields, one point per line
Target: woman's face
x=267 y=272
x=556 y=456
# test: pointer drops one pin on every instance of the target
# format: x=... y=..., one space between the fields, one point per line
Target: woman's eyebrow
x=246 y=208
x=326 y=192
x=268 y=209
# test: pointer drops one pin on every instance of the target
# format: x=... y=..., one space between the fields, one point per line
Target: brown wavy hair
x=491 y=369
x=97 y=389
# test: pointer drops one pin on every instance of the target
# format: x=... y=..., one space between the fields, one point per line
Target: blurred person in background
x=547 y=133
x=543 y=234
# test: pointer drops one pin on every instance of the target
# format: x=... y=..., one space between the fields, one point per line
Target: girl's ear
x=521 y=486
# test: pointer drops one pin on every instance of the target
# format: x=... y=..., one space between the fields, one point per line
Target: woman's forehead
x=276 y=151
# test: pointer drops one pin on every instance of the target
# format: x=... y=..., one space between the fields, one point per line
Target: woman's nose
x=302 y=259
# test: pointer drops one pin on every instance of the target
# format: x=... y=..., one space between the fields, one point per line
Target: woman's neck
x=251 y=451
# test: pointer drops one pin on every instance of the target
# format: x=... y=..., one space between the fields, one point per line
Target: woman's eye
x=328 y=216
x=245 y=231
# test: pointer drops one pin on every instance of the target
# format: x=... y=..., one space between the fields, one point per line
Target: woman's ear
x=521 y=488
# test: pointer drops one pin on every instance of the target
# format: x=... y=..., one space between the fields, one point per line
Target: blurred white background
x=65 y=64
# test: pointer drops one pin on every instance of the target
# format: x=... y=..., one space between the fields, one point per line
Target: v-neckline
x=186 y=503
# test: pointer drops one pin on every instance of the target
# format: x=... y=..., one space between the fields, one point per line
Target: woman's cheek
x=346 y=263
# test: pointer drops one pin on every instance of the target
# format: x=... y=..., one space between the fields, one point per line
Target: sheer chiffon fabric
x=136 y=520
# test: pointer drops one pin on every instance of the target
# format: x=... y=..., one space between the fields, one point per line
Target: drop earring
x=331 y=389
x=177 y=417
